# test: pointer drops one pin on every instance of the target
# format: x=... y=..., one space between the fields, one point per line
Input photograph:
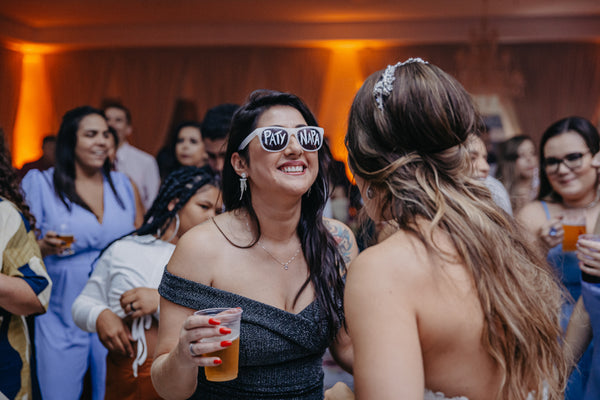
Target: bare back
x=416 y=322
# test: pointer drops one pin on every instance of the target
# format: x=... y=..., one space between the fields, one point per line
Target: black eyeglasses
x=572 y=161
x=274 y=138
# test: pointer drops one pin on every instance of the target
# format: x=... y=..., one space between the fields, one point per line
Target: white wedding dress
x=429 y=395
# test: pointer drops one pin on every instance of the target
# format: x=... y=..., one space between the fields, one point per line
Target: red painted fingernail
x=224 y=330
x=217 y=362
x=213 y=321
x=226 y=343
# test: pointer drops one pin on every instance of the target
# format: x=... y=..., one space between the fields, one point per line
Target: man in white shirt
x=140 y=166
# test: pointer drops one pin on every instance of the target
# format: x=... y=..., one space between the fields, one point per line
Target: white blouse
x=131 y=262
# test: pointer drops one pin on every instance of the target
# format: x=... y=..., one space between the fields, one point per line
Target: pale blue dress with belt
x=566 y=265
x=63 y=351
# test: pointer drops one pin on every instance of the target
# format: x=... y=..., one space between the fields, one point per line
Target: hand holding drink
x=588 y=252
x=229 y=319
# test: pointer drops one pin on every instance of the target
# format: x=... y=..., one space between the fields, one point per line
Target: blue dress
x=63 y=351
x=591 y=299
x=566 y=266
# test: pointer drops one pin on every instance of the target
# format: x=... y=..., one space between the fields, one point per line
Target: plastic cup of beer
x=64 y=234
x=573 y=223
x=228 y=369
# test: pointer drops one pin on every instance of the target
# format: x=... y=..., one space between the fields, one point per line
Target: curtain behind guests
x=561 y=79
x=150 y=81
x=10 y=81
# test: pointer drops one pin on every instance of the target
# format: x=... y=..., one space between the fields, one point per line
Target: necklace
x=285 y=265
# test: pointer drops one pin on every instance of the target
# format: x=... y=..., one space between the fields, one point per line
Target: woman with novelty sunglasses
x=272 y=254
x=568 y=180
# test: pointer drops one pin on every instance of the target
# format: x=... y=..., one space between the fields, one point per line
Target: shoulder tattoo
x=342 y=237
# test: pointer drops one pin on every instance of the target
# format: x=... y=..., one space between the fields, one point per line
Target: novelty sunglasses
x=276 y=138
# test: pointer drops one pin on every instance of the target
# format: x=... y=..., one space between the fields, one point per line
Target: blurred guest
x=45 y=161
x=120 y=300
x=272 y=254
x=24 y=283
x=481 y=170
x=184 y=147
x=518 y=170
x=456 y=304
x=83 y=200
x=140 y=166
x=215 y=128
x=568 y=181
x=584 y=325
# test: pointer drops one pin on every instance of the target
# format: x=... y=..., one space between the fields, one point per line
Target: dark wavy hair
x=583 y=128
x=9 y=183
x=326 y=266
x=64 y=167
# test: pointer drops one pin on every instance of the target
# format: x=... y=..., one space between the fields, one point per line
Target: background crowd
x=112 y=249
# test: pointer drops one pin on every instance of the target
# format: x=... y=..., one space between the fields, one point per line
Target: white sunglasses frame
x=290 y=131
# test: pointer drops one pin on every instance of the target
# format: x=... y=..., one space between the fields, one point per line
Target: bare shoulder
x=196 y=253
x=395 y=266
x=344 y=237
x=532 y=214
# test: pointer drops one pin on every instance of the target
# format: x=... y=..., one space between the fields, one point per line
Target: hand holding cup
x=204 y=338
x=588 y=253
x=229 y=321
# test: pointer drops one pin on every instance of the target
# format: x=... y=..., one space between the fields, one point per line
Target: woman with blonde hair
x=455 y=303
x=518 y=170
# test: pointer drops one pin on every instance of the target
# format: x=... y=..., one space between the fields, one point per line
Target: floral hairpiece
x=385 y=84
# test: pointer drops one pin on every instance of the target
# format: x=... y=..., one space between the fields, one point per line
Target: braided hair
x=180 y=185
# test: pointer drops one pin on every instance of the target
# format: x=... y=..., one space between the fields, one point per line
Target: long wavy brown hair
x=9 y=182
x=412 y=150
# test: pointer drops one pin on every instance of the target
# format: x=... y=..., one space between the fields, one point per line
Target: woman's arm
x=20 y=286
x=382 y=322
x=579 y=333
x=91 y=309
x=139 y=206
x=175 y=368
x=17 y=297
x=547 y=233
x=341 y=348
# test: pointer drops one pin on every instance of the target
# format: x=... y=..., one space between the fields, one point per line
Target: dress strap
x=546 y=210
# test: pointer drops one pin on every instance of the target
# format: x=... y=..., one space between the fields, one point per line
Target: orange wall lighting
x=34 y=112
x=343 y=78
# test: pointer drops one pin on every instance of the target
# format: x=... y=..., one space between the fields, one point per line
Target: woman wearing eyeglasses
x=568 y=181
x=272 y=254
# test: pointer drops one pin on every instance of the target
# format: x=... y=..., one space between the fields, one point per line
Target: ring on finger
x=131 y=306
x=552 y=232
x=192 y=350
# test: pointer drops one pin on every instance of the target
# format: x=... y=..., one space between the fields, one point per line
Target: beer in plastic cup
x=228 y=369
x=574 y=225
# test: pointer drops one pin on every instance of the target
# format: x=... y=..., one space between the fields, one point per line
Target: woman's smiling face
x=292 y=169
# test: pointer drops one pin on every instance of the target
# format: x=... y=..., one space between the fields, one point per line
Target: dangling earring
x=308 y=193
x=370 y=192
x=243 y=186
